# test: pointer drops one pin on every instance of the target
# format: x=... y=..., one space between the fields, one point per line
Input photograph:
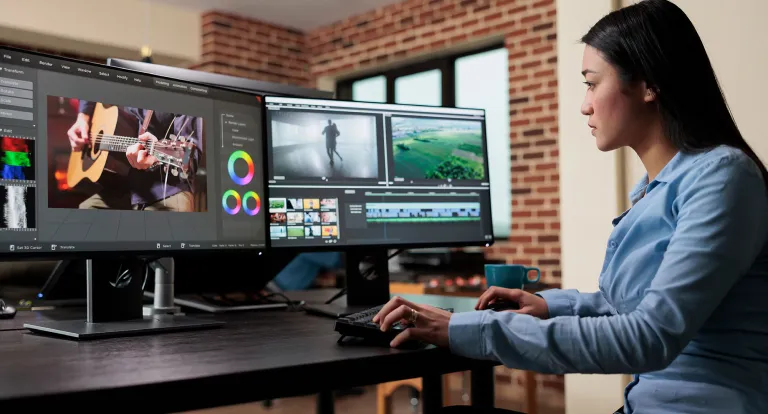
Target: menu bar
x=20 y=89
x=59 y=247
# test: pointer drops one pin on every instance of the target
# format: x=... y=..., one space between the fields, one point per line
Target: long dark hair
x=654 y=41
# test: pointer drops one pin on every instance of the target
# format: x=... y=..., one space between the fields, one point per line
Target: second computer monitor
x=343 y=173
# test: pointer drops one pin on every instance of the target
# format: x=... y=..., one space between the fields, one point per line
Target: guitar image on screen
x=94 y=159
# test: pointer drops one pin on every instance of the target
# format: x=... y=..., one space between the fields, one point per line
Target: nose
x=586 y=106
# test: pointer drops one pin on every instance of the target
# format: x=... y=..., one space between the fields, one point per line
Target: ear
x=650 y=94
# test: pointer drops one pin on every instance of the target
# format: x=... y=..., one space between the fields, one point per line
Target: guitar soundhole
x=96 y=144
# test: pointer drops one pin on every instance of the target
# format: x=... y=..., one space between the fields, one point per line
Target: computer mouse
x=502 y=305
x=6 y=312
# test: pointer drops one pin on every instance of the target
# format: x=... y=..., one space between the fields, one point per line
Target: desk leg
x=325 y=402
x=432 y=394
x=482 y=383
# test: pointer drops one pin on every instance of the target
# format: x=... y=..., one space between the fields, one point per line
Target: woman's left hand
x=430 y=323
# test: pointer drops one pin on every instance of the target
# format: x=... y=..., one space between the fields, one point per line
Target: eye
x=590 y=85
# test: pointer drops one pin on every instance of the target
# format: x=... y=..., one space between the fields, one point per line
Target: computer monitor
x=223 y=81
x=160 y=167
x=366 y=177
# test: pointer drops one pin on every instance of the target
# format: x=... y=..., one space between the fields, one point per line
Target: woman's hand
x=530 y=304
x=430 y=323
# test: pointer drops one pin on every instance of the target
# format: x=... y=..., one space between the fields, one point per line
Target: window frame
x=446 y=64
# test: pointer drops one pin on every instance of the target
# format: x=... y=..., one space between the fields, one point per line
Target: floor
x=550 y=402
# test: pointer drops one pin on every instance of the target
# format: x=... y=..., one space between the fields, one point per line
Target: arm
x=86 y=107
x=571 y=302
x=721 y=228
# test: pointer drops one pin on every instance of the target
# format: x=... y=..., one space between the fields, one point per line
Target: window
x=479 y=79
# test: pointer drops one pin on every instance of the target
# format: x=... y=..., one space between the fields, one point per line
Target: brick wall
x=417 y=28
x=248 y=48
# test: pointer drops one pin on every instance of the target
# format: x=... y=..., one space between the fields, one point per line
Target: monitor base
x=82 y=330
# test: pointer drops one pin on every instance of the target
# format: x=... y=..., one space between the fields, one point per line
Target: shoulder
x=720 y=178
x=727 y=162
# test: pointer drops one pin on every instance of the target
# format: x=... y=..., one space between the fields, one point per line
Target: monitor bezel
x=364 y=247
x=117 y=254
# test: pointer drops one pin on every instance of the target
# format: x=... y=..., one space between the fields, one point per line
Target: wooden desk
x=255 y=356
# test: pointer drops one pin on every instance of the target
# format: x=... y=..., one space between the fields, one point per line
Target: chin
x=606 y=146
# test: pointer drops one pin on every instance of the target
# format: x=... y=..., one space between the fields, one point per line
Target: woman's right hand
x=529 y=303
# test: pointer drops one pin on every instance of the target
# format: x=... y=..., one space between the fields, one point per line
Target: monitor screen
x=344 y=173
x=99 y=159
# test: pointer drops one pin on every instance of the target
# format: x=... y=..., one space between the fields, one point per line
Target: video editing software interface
x=352 y=173
x=101 y=159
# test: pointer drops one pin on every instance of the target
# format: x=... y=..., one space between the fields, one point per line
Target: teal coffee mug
x=509 y=276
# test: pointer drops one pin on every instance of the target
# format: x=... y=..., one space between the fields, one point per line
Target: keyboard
x=360 y=325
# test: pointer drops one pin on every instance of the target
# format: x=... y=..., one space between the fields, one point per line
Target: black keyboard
x=360 y=325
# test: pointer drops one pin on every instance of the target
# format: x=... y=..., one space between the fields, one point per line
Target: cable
x=292 y=305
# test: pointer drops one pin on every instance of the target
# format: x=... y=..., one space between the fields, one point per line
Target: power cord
x=365 y=275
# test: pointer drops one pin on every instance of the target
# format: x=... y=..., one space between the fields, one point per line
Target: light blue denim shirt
x=683 y=299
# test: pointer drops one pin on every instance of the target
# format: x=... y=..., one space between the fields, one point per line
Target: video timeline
x=304 y=218
x=422 y=212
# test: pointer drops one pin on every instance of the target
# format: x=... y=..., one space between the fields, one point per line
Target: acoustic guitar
x=92 y=161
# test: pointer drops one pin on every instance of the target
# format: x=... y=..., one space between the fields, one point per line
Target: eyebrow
x=585 y=71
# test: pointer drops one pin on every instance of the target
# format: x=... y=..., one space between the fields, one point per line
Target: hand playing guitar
x=137 y=154
x=78 y=132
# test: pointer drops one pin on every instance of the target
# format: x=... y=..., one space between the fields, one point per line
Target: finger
x=151 y=160
x=392 y=305
x=83 y=133
x=402 y=312
x=402 y=337
x=141 y=156
x=486 y=297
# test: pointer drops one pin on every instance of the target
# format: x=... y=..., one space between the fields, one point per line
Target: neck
x=655 y=151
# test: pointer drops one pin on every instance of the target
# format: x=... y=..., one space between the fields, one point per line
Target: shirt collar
x=674 y=167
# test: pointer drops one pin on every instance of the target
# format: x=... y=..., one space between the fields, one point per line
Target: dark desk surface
x=255 y=356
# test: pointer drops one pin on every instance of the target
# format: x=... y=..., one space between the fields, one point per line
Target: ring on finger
x=414 y=316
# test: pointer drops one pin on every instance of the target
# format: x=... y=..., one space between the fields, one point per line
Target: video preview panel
x=148 y=169
x=437 y=148
x=432 y=186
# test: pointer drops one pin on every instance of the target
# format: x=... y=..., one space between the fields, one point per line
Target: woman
x=683 y=299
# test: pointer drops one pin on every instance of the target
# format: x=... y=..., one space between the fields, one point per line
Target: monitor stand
x=114 y=304
x=364 y=288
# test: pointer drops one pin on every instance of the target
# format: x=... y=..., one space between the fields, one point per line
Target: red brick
x=543 y=49
x=534 y=226
x=546 y=190
x=521 y=239
x=534 y=179
x=519 y=122
x=493 y=16
x=531 y=87
x=544 y=96
x=522 y=214
x=534 y=250
x=547 y=166
x=543 y=3
x=530 y=41
x=469 y=23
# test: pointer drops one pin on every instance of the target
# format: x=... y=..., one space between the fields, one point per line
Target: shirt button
x=612 y=244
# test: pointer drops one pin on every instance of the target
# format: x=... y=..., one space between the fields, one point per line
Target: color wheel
x=256 y=198
x=238 y=204
x=237 y=155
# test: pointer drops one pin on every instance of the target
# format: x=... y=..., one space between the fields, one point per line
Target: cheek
x=610 y=108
